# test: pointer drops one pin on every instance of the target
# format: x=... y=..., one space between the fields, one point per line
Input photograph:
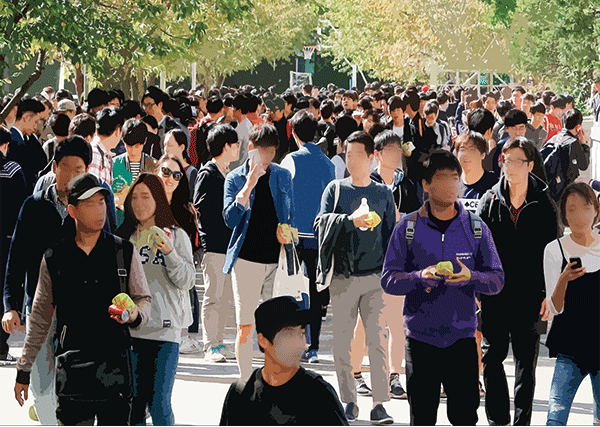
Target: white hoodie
x=170 y=277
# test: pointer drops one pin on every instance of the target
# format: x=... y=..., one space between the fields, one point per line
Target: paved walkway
x=201 y=387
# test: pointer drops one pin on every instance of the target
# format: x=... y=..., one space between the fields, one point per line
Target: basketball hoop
x=309 y=50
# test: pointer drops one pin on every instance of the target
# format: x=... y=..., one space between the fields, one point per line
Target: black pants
x=194 y=327
x=427 y=367
x=525 y=345
x=112 y=412
x=316 y=299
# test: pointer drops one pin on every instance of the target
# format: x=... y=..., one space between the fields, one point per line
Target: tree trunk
x=137 y=85
x=39 y=67
x=79 y=83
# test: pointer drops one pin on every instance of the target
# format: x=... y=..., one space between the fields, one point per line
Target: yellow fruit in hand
x=124 y=302
x=373 y=219
x=444 y=268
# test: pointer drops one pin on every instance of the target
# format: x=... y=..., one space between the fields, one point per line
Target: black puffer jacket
x=521 y=248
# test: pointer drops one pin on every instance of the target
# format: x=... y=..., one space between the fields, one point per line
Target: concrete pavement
x=200 y=388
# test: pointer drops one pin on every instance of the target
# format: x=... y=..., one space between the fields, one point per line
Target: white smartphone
x=254 y=157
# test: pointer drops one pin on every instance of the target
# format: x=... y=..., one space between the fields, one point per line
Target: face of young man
x=368 y=123
x=231 y=152
x=515 y=131
x=90 y=214
x=526 y=106
x=348 y=103
x=358 y=161
x=397 y=114
x=390 y=157
x=288 y=346
x=515 y=166
x=68 y=168
x=151 y=108
x=443 y=188
x=469 y=156
x=267 y=154
x=490 y=104
x=516 y=99
x=558 y=112
x=537 y=119
x=430 y=119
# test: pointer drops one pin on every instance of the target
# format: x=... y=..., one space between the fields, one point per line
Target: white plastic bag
x=290 y=285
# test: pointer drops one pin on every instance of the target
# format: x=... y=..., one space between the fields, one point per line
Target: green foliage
x=502 y=11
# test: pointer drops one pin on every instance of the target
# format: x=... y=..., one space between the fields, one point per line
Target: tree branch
x=39 y=67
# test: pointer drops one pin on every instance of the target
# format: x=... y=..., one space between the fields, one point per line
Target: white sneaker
x=189 y=346
x=213 y=355
x=226 y=352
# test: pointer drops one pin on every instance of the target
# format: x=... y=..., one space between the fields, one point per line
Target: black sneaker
x=351 y=411
x=379 y=416
x=361 y=387
x=7 y=359
x=396 y=390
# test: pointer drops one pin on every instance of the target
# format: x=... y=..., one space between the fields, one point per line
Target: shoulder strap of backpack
x=476 y=225
x=410 y=228
x=122 y=270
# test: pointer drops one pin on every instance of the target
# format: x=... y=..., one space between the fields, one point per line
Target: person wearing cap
x=42 y=222
x=79 y=273
x=281 y=391
x=67 y=107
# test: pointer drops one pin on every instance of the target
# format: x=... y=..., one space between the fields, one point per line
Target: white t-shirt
x=553 y=259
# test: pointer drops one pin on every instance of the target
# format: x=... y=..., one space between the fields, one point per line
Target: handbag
x=93 y=376
x=295 y=284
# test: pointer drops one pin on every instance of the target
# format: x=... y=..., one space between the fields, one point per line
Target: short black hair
x=344 y=127
x=431 y=107
x=558 y=101
x=547 y=96
x=395 y=102
x=304 y=125
x=131 y=109
x=519 y=88
x=150 y=121
x=385 y=138
x=63 y=94
x=475 y=137
x=214 y=105
x=411 y=97
x=537 y=107
x=108 y=119
x=481 y=120
x=59 y=124
x=361 y=137
x=83 y=125
x=289 y=98
x=524 y=144
x=76 y=146
x=350 y=94
x=440 y=160
x=326 y=109
x=29 y=106
x=134 y=132
x=96 y=98
x=514 y=118
x=573 y=118
x=307 y=88
x=503 y=107
x=253 y=103
x=265 y=135
x=156 y=94
x=218 y=136
x=442 y=98
x=584 y=191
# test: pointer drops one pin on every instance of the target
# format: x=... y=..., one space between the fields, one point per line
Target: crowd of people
x=438 y=231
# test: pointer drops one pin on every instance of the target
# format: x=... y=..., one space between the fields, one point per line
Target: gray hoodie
x=170 y=277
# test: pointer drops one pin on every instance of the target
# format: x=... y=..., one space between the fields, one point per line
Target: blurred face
x=68 y=168
x=515 y=166
x=312 y=110
x=515 y=131
x=444 y=187
x=231 y=152
x=390 y=157
x=115 y=103
x=142 y=203
x=397 y=114
x=516 y=99
x=151 y=108
x=526 y=106
x=538 y=118
x=12 y=116
x=430 y=119
x=368 y=123
x=30 y=122
x=558 y=112
x=348 y=103
x=580 y=214
x=490 y=104
x=288 y=346
x=469 y=156
x=90 y=214
x=267 y=154
x=168 y=173
x=358 y=161
x=173 y=148
x=338 y=97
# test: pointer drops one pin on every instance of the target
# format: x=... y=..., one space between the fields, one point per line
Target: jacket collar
x=462 y=216
x=536 y=189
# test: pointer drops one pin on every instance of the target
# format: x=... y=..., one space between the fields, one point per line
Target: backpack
x=475 y=228
x=556 y=162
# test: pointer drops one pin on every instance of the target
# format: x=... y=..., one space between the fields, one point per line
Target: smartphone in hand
x=577 y=262
x=254 y=157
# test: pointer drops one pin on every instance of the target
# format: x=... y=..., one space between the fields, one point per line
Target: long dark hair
x=163 y=217
x=180 y=139
x=182 y=209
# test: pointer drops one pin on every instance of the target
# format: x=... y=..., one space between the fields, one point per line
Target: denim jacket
x=237 y=216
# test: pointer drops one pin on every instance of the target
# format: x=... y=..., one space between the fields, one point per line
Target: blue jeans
x=154 y=367
x=567 y=378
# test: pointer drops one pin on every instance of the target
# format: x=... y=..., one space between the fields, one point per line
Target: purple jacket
x=447 y=313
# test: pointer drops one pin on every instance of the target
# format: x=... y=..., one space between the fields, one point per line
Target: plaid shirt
x=102 y=162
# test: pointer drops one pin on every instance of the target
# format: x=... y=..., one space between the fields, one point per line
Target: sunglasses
x=168 y=172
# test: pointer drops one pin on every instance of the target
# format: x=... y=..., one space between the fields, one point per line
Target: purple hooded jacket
x=446 y=314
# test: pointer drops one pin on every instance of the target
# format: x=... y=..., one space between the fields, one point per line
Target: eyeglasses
x=515 y=162
x=168 y=172
x=149 y=104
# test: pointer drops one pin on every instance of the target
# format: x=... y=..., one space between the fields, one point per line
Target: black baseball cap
x=83 y=187
x=277 y=313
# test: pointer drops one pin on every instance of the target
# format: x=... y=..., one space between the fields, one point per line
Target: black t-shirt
x=442 y=225
x=306 y=399
x=477 y=189
x=260 y=244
